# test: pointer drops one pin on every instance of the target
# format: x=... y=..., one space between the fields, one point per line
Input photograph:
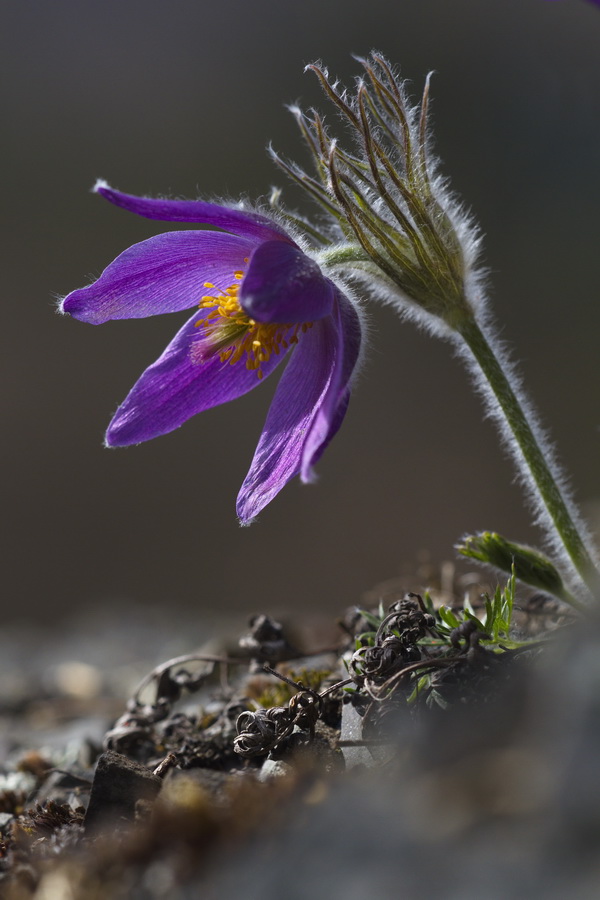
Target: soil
x=408 y=765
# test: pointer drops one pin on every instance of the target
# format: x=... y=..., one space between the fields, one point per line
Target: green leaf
x=473 y=618
x=428 y=603
x=371 y=618
x=529 y=565
x=447 y=616
x=499 y=611
x=435 y=697
x=422 y=683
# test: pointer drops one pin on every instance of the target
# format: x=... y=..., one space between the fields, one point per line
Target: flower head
x=256 y=296
x=384 y=195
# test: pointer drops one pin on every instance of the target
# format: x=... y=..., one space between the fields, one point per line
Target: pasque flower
x=256 y=296
x=396 y=230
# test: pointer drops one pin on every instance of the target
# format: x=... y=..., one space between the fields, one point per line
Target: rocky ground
x=403 y=756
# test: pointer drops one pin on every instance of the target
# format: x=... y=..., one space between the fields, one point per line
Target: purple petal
x=307 y=409
x=283 y=284
x=245 y=223
x=163 y=274
x=177 y=386
x=332 y=412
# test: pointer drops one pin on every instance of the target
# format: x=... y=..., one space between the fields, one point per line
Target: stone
x=119 y=783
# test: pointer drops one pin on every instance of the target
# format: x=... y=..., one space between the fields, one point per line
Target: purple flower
x=256 y=296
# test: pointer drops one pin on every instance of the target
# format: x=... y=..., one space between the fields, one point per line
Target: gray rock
x=119 y=783
x=274 y=768
x=351 y=730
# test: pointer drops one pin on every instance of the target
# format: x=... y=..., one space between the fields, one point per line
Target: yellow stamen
x=234 y=334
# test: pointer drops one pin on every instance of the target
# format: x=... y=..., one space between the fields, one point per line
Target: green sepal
x=530 y=566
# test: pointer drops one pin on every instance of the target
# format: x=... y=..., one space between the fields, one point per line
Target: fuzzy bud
x=418 y=244
x=531 y=566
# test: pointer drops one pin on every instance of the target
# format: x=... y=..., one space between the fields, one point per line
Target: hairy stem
x=538 y=471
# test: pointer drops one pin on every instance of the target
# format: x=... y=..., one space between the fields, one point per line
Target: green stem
x=539 y=471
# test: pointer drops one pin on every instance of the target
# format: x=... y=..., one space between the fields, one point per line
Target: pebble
x=119 y=783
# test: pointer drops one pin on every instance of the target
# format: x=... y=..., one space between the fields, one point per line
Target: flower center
x=233 y=334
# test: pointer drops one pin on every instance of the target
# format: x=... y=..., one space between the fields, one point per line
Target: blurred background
x=181 y=98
